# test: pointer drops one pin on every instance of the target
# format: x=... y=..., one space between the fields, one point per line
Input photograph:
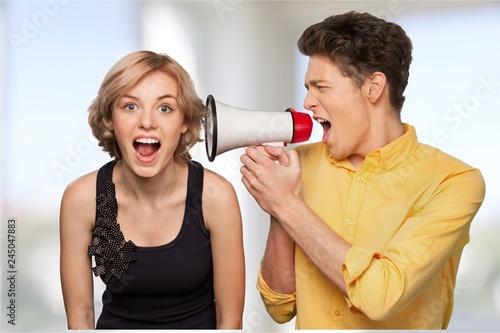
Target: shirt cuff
x=281 y=307
x=357 y=261
x=270 y=296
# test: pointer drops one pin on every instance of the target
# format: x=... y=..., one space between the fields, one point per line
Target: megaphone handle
x=276 y=144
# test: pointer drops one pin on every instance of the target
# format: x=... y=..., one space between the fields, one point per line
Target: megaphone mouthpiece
x=302 y=126
x=227 y=127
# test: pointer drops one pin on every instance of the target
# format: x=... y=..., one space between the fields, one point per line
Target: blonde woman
x=164 y=232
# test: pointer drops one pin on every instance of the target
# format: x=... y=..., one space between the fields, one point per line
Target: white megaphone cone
x=227 y=127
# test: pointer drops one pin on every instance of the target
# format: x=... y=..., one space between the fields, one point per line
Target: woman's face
x=148 y=123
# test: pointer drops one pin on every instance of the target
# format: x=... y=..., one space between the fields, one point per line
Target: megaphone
x=228 y=127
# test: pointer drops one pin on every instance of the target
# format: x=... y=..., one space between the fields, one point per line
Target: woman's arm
x=76 y=223
x=223 y=218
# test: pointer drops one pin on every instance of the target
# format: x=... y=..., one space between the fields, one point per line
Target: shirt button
x=337 y=313
x=360 y=178
x=349 y=222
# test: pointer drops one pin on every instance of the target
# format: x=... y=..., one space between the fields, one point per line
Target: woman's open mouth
x=146 y=148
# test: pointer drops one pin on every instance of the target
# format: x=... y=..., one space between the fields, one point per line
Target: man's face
x=337 y=104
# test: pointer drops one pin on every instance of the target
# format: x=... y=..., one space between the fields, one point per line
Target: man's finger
x=279 y=154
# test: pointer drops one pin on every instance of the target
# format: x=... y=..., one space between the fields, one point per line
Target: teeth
x=320 y=120
x=146 y=140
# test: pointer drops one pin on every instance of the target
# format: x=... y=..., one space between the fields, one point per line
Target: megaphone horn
x=227 y=127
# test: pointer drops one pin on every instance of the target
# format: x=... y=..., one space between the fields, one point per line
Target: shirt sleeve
x=281 y=307
x=382 y=283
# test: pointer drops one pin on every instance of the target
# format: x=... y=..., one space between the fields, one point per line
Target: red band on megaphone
x=302 y=126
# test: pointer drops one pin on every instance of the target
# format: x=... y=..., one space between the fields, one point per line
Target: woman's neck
x=149 y=189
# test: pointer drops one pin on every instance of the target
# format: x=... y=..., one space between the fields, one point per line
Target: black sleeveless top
x=168 y=286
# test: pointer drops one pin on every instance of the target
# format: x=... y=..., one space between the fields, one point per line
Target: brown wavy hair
x=122 y=77
x=361 y=44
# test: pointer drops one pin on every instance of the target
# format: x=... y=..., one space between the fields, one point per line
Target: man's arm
x=276 y=187
x=326 y=249
x=278 y=264
x=276 y=278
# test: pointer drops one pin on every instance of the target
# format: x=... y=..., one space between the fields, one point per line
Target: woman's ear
x=184 y=128
x=109 y=124
x=376 y=85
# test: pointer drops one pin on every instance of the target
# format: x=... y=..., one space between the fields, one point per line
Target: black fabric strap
x=104 y=174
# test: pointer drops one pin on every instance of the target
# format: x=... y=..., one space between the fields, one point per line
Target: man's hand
x=270 y=175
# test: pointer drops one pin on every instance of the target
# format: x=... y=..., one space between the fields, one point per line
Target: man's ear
x=375 y=86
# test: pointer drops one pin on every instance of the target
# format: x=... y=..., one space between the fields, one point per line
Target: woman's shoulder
x=80 y=193
x=220 y=202
x=217 y=190
x=214 y=182
x=78 y=202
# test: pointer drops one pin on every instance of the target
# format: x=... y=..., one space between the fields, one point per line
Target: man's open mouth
x=326 y=127
x=146 y=147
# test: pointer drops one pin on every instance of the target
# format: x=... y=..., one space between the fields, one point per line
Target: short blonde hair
x=122 y=77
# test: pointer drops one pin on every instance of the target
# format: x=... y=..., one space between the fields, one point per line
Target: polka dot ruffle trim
x=111 y=252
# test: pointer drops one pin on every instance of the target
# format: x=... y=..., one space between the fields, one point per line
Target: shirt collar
x=387 y=157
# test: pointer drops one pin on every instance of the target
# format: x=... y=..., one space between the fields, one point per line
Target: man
x=367 y=226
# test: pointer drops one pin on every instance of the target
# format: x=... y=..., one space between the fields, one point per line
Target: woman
x=164 y=232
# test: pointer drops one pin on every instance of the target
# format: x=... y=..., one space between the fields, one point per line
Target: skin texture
x=143 y=185
x=358 y=120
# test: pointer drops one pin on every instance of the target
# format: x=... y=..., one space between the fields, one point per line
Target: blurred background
x=54 y=55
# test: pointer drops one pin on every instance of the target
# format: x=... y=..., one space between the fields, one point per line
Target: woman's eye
x=164 y=109
x=130 y=107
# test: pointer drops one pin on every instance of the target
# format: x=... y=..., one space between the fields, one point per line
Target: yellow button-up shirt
x=406 y=212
